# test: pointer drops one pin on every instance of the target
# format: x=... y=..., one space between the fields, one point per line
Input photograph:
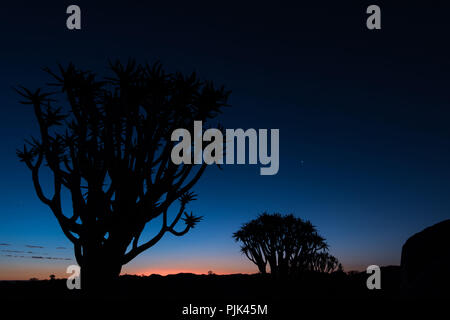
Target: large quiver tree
x=110 y=146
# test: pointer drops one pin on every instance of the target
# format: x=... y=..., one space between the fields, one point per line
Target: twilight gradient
x=363 y=118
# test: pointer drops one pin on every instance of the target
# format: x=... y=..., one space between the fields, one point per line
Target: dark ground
x=169 y=294
x=216 y=287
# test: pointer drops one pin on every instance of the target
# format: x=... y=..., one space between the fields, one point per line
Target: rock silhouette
x=425 y=261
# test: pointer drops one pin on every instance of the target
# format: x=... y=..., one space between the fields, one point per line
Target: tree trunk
x=273 y=267
x=262 y=267
x=99 y=271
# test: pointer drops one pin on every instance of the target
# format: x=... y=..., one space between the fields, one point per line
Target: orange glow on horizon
x=170 y=271
x=18 y=271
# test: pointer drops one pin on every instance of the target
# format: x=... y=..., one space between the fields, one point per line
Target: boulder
x=425 y=261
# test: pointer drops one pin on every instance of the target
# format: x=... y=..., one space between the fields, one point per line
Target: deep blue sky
x=366 y=111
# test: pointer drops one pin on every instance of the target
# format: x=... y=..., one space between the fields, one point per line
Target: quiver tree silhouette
x=288 y=244
x=325 y=262
x=111 y=149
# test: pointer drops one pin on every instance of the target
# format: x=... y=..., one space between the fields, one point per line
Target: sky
x=363 y=118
